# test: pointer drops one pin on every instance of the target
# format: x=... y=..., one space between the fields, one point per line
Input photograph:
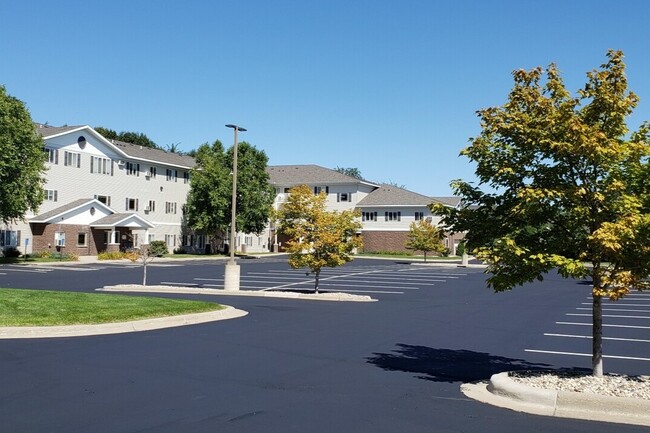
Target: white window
x=368 y=216
x=186 y=177
x=72 y=159
x=51 y=195
x=132 y=169
x=59 y=239
x=151 y=207
x=82 y=238
x=170 y=207
x=317 y=190
x=170 y=240
x=132 y=204
x=52 y=155
x=152 y=237
x=172 y=175
x=99 y=165
x=344 y=197
x=419 y=216
x=393 y=216
x=106 y=199
x=152 y=172
x=9 y=238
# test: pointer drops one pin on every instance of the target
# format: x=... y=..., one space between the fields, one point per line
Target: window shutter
x=56 y=156
x=65 y=159
x=56 y=195
x=126 y=207
x=92 y=160
x=338 y=196
x=138 y=168
x=112 y=163
x=136 y=203
x=79 y=161
x=108 y=201
x=327 y=190
x=18 y=239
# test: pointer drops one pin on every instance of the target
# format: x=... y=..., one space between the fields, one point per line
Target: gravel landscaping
x=609 y=385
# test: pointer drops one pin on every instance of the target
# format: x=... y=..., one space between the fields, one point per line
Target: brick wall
x=383 y=241
x=44 y=238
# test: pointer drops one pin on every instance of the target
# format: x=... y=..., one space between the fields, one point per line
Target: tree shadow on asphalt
x=446 y=365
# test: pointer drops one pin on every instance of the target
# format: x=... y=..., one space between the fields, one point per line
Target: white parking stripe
x=171 y=283
x=587 y=354
x=635 y=340
x=609 y=315
x=618 y=309
x=604 y=325
x=33 y=271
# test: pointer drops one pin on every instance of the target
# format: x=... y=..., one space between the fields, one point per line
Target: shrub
x=460 y=250
x=11 y=252
x=71 y=257
x=180 y=250
x=43 y=254
x=158 y=248
x=110 y=255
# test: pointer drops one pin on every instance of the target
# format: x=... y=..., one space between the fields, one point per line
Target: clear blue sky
x=389 y=87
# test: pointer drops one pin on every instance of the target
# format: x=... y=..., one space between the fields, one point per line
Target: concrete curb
x=340 y=297
x=16 y=332
x=504 y=392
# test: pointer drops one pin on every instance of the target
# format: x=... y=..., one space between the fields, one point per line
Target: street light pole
x=231 y=281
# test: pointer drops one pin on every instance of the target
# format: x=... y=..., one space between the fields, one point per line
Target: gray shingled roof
x=150 y=154
x=286 y=175
x=131 y=150
x=48 y=131
x=60 y=210
x=449 y=201
x=389 y=195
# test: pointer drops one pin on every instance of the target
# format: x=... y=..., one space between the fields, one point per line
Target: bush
x=72 y=257
x=158 y=248
x=43 y=254
x=110 y=255
x=460 y=250
x=180 y=250
x=11 y=252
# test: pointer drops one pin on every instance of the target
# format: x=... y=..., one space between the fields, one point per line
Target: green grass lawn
x=19 y=307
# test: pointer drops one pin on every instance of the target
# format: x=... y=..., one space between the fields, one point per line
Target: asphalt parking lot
x=291 y=365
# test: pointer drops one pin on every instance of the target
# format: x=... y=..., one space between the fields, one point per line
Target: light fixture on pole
x=231 y=281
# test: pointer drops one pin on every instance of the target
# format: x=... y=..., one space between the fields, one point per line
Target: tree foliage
x=137 y=138
x=350 y=171
x=569 y=185
x=22 y=160
x=424 y=236
x=317 y=237
x=208 y=206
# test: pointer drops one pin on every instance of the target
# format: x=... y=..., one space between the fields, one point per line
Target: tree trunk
x=316 y=281
x=597 y=335
x=597 y=324
x=425 y=257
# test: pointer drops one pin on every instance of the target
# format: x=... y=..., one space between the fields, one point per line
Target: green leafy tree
x=350 y=171
x=569 y=187
x=208 y=206
x=22 y=160
x=137 y=138
x=317 y=238
x=424 y=236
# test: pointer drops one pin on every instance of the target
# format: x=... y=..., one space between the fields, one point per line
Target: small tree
x=317 y=237
x=569 y=188
x=145 y=254
x=424 y=236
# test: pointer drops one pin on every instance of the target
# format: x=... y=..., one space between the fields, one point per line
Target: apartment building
x=104 y=195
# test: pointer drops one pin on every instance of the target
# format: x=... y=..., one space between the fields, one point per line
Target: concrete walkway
x=504 y=392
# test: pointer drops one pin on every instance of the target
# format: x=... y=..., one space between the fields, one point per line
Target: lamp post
x=231 y=281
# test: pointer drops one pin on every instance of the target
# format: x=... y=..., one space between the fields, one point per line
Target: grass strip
x=21 y=307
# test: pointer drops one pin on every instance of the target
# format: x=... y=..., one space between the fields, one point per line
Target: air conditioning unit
x=147 y=209
x=147 y=176
x=120 y=163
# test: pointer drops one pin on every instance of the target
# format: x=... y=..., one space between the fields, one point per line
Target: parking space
x=390 y=279
x=626 y=331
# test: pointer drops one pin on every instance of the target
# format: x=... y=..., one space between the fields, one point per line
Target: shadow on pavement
x=445 y=365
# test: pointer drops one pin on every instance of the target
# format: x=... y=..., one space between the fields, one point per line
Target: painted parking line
x=617 y=316
x=589 y=337
x=66 y=268
x=33 y=271
x=552 y=352
x=618 y=309
x=172 y=283
x=605 y=325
